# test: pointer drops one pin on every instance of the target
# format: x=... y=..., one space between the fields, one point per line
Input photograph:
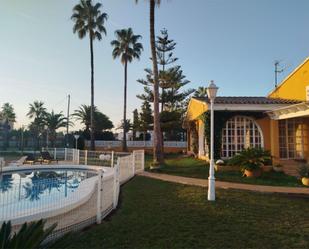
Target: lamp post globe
x=212 y=90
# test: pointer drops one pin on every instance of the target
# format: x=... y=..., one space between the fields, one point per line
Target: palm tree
x=6 y=183
x=8 y=117
x=158 y=156
x=200 y=92
x=37 y=112
x=54 y=121
x=88 y=19
x=83 y=115
x=128 y=48
x=101 y=121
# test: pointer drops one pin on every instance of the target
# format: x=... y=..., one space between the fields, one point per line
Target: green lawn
x=157 y=214
x=191 y=167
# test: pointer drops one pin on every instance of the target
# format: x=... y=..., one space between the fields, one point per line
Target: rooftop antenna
x=277 y=71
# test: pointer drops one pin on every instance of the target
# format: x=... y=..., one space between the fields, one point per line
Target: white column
x=55 y=153
x=211 y=178
x=201 y=139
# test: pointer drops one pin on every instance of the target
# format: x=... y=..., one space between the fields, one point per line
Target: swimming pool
x=34 y=194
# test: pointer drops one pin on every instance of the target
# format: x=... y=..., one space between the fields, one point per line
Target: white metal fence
x=79 y=190
x=138 y=144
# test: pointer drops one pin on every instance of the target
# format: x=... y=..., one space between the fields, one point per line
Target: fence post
x=77 y=156
x=112 y=160
x=133 y=162
x=55 y=154
x=116 y=184
x=74 y=155
x=143 y=160
x=65 y=154
x=86 y=157
x=100 y=189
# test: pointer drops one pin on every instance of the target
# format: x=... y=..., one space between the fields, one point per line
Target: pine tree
x=172 y=81
x=146 y=118
x=165 y=48
x=136 y=123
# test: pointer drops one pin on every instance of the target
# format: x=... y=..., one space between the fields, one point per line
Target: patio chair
x=47 y=158
x=30 y=159
x=18 y=162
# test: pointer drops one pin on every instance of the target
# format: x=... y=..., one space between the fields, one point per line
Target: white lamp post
x=76 y=138
x=211 y=93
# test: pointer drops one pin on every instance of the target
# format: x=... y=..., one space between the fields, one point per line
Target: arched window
x=240 y=133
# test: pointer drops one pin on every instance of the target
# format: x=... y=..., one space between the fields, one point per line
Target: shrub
x=303 y=170
x=30 y=235
x=251 y=158
x=235 y=160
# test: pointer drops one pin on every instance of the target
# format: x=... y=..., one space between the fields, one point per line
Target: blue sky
x=234 y=43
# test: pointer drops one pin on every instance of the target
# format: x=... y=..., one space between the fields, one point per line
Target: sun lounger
x=30 y=159
x=47 y=158
x=18 y=162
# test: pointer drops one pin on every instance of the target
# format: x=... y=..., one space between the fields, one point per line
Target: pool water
x=24 y=193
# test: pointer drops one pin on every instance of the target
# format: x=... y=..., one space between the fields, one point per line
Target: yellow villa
x=278 y=122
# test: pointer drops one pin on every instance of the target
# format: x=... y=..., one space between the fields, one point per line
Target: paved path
x=226 y=185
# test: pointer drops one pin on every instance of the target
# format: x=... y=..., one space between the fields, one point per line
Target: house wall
x=274 y=141
x=195 y=109
x=264 y=124
x=294 y=86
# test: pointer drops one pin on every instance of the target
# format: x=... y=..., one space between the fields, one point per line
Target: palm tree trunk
x=92 y=145
x=124 y=139
x=157 y=139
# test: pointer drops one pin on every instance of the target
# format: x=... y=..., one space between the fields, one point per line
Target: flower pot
x=305 y=181
x=278 y=169
x=252 y=173
x=266 y=168
x=227 y=168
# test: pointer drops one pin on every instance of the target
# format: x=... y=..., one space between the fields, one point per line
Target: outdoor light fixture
x=76 y=138
x=211 y=93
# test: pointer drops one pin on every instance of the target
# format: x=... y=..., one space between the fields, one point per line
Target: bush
x=251 y=159
x=235 y=160
x=31 y=235
x=303 y=170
